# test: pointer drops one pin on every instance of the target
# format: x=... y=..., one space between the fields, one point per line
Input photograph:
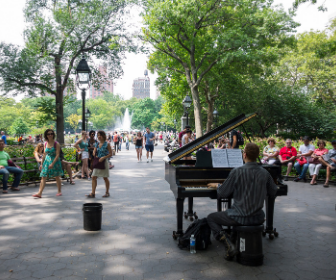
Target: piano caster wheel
x=174 y=235
x=191 y=219
x=263 y=233
x=195 y=215
x=185 y=215
x=276 y=234
x=271 y=236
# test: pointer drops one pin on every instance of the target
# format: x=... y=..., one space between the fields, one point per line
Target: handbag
x=97 y=164
x=302 y=160
x=313 y=160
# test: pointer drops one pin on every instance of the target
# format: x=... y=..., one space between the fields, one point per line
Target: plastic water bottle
x=192 y=244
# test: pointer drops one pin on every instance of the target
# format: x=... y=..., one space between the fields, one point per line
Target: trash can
x=92 y=216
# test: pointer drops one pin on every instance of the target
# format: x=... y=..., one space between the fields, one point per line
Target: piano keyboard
x=198 y=188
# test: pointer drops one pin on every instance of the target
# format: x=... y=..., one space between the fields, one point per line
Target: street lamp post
x=186 y=105
x=215 y=114
x=83 y=79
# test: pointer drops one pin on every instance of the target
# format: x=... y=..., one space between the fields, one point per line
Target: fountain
x=124 y=123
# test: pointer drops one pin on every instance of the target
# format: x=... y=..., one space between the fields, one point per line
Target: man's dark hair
x=147 y=127
x=187 y=127
x=102 y=134
x=188 y=131
x=333 y=142
x=306 y=138
x=252 y=151
x=92 y=131
x=46 y=134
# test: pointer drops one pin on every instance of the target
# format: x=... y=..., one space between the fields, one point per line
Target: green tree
x=73 y=120
x=19 y=127
x=58 y=34
x=144 y=113
x=191 y=37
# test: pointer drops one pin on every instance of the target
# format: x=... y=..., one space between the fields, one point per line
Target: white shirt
x=305 y=149
x=184 y=138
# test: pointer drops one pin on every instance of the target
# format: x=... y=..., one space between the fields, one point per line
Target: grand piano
x=189 y=178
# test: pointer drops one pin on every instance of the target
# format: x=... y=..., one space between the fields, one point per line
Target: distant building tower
x=107 y=86
x=141 y=87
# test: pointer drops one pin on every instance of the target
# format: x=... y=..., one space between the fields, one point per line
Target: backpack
x=115 y=138
x=201 y=231
x=240 y=139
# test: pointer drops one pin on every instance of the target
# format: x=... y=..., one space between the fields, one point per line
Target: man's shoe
x=297 y=179
x=285 y=178
x=230 y=248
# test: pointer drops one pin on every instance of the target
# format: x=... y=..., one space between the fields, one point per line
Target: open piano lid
x=210 y=136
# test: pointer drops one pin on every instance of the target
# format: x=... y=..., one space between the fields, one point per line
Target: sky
x=12 y=27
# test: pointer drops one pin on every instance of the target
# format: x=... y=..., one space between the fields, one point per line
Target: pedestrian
x=91 y=145
x=103 y=152
x=38 y=154
x=3 y=137
x=139 y=145
x=127 y=142
x=120 y=141
x=187 y=138
x=149 y=138
x=82 y=147
x=116 y=142
x=51 y=163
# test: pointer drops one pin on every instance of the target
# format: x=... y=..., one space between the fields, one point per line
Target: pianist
x=248 y=186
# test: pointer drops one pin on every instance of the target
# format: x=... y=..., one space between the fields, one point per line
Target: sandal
x=59 y=194
x=91 y=195
x=106 y=195
x=37 y=196
x=72 y=183
x=4 y=191
x=15 y=189
x=326 y=185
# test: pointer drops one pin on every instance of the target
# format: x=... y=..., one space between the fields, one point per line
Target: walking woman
x=51 y=163
x=82 y=146
x=103 y=151
x=139 y=145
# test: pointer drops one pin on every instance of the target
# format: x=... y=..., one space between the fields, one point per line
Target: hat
x=333 y=142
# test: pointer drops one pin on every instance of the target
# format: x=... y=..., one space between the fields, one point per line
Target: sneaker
x=297 y=179
x=147 y=161
x=151 y=160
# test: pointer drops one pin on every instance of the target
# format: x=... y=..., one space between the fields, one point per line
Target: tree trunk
x=59 y=117
x=59 y=102
x=197 y=111
x=209 y=115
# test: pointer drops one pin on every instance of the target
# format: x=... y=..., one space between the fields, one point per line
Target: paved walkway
x=44 y=238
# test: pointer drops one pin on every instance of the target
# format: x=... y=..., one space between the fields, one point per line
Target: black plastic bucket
x=249 y=243
x=92 y=216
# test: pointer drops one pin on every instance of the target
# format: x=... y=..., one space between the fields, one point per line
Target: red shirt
x=287 y=152
x=180 y=137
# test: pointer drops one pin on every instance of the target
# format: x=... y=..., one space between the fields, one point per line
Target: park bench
x=29 y=166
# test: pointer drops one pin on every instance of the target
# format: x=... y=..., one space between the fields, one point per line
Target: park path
x=44 y=238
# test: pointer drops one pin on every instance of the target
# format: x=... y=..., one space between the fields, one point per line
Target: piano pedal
x=271 y=233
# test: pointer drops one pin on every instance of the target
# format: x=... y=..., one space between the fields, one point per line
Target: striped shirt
x=248 y=185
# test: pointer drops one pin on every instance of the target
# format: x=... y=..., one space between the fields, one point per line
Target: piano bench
x=249 y=245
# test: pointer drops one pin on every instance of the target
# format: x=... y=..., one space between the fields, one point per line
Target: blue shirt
x=148 y=137
x=3 y=137
x=103 y=151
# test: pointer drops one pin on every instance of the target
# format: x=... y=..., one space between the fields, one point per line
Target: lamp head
x=83 y=74
x=187 y=102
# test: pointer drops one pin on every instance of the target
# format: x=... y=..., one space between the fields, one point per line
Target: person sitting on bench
x=248 y=185
x=5 y=170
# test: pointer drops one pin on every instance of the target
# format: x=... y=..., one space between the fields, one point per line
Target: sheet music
x=219 y=158
x=235 y=157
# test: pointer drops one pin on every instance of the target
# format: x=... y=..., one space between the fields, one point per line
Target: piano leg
x=190 y=213
x=269 y=203
x=179 y=214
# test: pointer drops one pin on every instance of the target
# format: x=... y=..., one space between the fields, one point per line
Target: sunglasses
x=50 y=134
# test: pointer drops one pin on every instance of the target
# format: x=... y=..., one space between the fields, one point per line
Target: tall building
x=141 y=87
x=107 y=86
